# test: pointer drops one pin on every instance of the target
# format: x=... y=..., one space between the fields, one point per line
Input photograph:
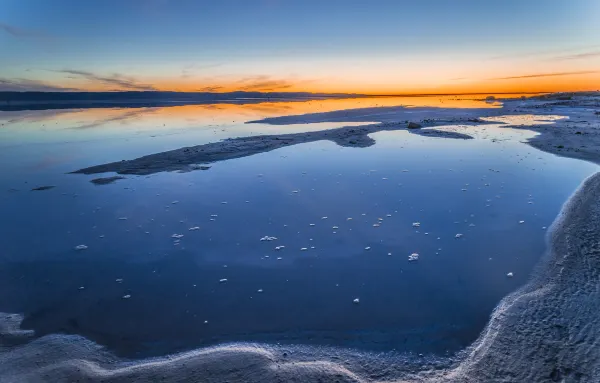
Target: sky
x=341 y=46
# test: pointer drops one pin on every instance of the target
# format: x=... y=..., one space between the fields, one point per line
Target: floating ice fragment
x=279 y=258
x=367 y=248
x=510 y=275
x=413 y=257
x=472 y=225
x=279 y=247
x=259 y=290
x=356 y=301
x=119 y=280
x=294 y=191
x=416 y=224
x=175 y=202
x=348 y=219
x=194 y=228
x=376 y=225
x=177 y=236
x=267 y=238
x=81 y=247
x=81 y=288
x=458 y=235
x=213 y=215
x=123 y=219
x=335 y=228
x=388 y=215
x=223 y=280
x=521 y=222
x=126 y=296
x=323 y=217
x=312 y=224
x=303 y=249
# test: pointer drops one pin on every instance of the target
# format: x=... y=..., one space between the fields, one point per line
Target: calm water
x=140 y=290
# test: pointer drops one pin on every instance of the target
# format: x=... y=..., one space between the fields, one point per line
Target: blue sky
x=369 y=46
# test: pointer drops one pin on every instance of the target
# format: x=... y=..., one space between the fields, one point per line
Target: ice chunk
x=194 y=228
x=267 y=238
x=458 y=235
x=126 y=296
x=413 y=257
x=223 y=280
x=416 y=224
x=356 y=301
x=81 y=247
x=177 y=236
x=510 y=275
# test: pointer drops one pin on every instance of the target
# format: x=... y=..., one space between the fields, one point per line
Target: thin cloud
x=25 y=85
x=263 y=83
x=556 y=74
x=22 y=32
x=119 y=80
x=211 y=89
x=579 y=56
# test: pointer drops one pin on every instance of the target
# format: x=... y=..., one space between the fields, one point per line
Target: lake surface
x=175 y=261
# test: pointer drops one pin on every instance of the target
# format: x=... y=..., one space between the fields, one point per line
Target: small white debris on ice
x=510 y=275
x=126 y=296
x=376 y=225
x=521 y=222
x=303 y=249
x=267 y=238
x=223 y=280
x=312 y=224
x=348 y=219
x=458 y=235
x=194 y=228
x=81 y=247
x=177 y=236
x=279 y=258
x=335 y=228
x=356 y=301
x=367 y=248
x=413 y=257
x=416 y=224
x=323 y=217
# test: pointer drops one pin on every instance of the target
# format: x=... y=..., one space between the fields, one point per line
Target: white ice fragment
x=323 y=217
x=126 y=296
x=510 y=275
x=267 y=238
x=123 y=219
x=376 y=225
x=521 y=222
x=119 y=280
x=471 y=225
x=356 y=301
x=279 y=247
x=458 y=235
x=81 y=247
x=348 y=219
x=416 y=224
x=259 y=290
x=224 y=203
x=194 y=228
x=223 y=280
x=413 y=257
x=367 y=248
x=213 y=215
x=279 y=258
x=312 y=224
x=304 y=249
x=294 y=191
x=388 y=215
x=177 y=236
x=175 y=202
x=335 y=228
x=81 y=288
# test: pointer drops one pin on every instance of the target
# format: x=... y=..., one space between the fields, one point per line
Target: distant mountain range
x=11 y=101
